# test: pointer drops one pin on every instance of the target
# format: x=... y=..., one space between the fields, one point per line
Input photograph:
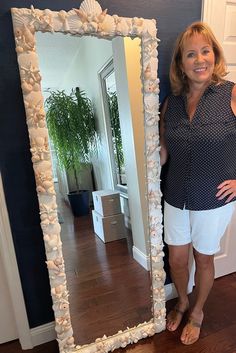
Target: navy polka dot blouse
x=202 y=153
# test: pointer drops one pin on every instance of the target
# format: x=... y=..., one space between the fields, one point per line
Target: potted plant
x=71 y=125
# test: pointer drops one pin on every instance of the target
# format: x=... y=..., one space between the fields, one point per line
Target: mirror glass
x=109 y=285
x=105 y=280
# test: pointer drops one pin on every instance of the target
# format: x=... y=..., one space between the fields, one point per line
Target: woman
x=198 y=137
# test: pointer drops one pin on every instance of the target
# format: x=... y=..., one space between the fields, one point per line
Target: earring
x=183 y=75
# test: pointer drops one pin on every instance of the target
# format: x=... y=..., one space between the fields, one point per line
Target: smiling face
x=198 y=60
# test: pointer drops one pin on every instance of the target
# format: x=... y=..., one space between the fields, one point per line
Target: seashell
x=41 y=123
x=152 y=30
x=52 y=241
x=25 y=60
x=39 y=141
x=64 y=306
x=28 y=35
x=57 y=290
x=138 y=21
x=51 y=265
x=70 y=341
x=122 y=26
x=46 y=20
x=43 y=167
x=40 y=189
x=91 y=7
x=48 y=12
x=107 y=26
x=58 y=262
x=35 y=158
x=36 y=87
x=147 y=72
x=47 y=156
x=63 y=17
x=20 y=17
x=129 y=23
x=54 y=229
x=82 y=15
x=26 y=88
x=90 y=27
x=47 y=184
x=75 y=24
x=19 y=49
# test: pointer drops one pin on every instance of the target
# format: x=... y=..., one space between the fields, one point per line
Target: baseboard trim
x=141 y=258
x=170 y=291
x=43 y=334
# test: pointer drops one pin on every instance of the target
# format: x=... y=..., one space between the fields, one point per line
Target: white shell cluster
x=90 y=19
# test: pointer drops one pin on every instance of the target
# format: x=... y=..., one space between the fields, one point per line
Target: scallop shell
x=91 y=7
x=108 y=26
x=20 y=17
x=75 y=24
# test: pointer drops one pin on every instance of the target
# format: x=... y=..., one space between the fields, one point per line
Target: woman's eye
x=190 y=55
x=206 y=51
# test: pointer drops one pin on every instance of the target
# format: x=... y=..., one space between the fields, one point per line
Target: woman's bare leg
x=204 y=278
x=178 y=260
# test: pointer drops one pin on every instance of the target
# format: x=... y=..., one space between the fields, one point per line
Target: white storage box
x=106 y=202
x=109 y=228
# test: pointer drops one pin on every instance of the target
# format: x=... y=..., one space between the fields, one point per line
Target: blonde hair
x=178 y=80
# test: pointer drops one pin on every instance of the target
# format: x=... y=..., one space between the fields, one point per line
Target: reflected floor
x=109 y=290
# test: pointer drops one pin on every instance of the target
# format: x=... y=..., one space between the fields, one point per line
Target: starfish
x=31 y=72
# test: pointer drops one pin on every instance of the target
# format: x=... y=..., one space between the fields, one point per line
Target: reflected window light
x=113 y=128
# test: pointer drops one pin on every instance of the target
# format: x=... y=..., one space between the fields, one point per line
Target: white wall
x=128 y=72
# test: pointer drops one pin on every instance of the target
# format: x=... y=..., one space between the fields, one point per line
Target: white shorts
x=204 y=229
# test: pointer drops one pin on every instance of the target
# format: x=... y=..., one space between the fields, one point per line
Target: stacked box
x=108 y=221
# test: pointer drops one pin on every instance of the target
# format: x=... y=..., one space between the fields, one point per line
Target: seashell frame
x=90 y=19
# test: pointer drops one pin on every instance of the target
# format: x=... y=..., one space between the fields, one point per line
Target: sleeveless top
x=202 y=153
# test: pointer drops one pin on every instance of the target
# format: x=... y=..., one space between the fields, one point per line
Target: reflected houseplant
x=71 y=125
x=116 y=136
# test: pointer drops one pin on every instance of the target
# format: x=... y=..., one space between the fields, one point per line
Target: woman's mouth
x=200 y=69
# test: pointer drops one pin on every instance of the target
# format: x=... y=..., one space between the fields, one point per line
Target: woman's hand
x=227 y=188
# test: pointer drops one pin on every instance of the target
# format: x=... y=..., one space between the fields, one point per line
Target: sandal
x=174 y=317
x=191 y=332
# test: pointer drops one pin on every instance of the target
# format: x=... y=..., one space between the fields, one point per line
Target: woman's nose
x=199 y=58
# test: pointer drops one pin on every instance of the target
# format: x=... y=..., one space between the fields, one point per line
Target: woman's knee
x=178 y=257
x=202 y=260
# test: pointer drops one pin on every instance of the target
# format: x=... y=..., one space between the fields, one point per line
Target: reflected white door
x=221 y=17
x=8 y=331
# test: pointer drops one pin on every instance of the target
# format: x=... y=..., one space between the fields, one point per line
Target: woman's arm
x=227 y=189
x=163 y=151
x=233 y=100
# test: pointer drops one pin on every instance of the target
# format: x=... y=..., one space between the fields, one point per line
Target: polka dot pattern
x=202 y=153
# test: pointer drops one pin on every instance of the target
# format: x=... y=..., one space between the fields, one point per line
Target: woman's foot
x=175 y=316
x=191 y=331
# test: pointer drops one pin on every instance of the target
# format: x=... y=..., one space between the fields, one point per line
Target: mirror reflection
x=105 y=251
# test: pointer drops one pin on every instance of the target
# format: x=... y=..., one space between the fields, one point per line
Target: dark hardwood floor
x=114 y=292
x=109 y=290
x=218 y=334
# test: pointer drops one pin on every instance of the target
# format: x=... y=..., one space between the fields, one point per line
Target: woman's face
x=198 y=60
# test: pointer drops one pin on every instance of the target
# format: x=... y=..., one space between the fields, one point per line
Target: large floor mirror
x=122 y=52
